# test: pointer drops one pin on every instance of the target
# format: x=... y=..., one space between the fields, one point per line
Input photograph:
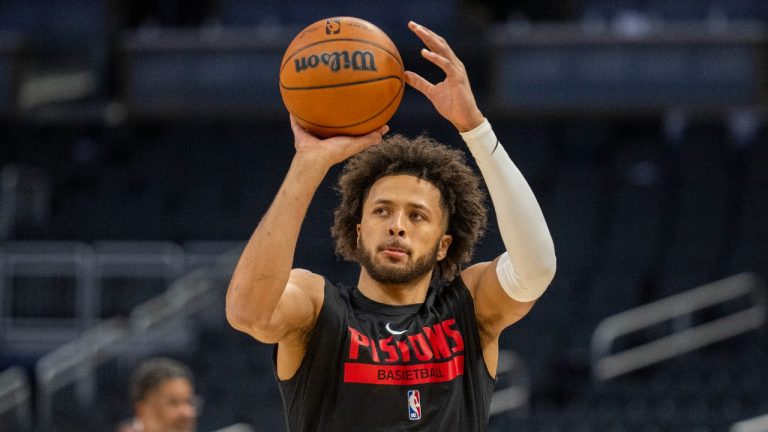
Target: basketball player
x=163 y=398
x=414 y=345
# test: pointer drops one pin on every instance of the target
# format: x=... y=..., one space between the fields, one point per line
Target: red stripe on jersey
x=422 y=373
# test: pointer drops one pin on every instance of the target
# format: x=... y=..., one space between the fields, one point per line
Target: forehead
x=173 y=387
x=404 y=188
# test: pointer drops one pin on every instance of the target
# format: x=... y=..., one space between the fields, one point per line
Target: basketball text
x=357 y=60
x=433 y=354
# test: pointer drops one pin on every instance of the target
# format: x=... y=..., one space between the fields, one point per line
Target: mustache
x=396 y=245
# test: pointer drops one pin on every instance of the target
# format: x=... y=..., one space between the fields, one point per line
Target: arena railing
x=689 y=332
x=75 y=362
x=84 y=277
x=512 y=392
x=754 y=424
x=158 y=324
x=47 y=293
x=15 y=400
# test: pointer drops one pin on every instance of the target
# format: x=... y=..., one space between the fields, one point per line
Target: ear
x=357 y=242
x=442 y=249
x=140 y=409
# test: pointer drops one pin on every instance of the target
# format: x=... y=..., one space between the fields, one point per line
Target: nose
x=396 y=225
x=189 y=413
x=190 y=410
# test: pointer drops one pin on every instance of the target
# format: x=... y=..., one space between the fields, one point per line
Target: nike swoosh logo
x=394 y=332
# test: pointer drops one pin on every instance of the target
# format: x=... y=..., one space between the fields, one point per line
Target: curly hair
x=461 y=196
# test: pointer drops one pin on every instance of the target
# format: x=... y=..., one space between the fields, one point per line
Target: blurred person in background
x=163 y=397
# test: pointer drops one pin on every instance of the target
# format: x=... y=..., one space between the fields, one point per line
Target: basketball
x=342 y=76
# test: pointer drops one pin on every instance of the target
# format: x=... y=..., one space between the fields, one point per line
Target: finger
x=373 y=138
x=422 y=33
x=433 y=41
x=416 y=81
x=426 y=36
x=297 y=129
x=439 y=61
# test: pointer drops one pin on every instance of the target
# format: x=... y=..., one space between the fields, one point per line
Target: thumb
x=373 y=138
x=298 y=130
x=378 y=134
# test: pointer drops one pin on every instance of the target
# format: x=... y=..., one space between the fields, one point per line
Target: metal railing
x=15 y=399
x=91 y=273
x=513 y=385
x=76 y=361
x=683 y=338
x=755 y=424
x=157 y=324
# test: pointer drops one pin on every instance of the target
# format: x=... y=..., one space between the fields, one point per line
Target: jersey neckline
x=363 y=302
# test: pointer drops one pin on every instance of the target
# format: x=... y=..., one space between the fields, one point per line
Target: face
x=402 y=232
x=170 y=407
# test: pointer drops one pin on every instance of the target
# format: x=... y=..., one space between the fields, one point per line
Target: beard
x=396 y=275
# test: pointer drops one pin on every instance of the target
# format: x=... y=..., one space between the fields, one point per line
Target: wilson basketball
x=342 y=76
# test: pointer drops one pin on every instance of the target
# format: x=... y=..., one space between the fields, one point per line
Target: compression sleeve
x=527 y=268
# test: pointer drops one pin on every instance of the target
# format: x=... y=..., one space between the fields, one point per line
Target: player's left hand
x=452 y=97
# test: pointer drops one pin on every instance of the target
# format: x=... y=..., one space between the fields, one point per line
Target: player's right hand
x=331 y=151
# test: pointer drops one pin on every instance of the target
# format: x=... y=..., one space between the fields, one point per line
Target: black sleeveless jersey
x=377 y=367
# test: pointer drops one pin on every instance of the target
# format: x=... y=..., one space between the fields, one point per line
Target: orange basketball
x=342 y=76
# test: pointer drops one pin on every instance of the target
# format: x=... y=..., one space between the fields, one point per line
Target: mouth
x=394 y=251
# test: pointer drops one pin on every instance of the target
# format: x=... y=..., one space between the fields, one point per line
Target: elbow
x=551 y=267
x=233 y=318
x=239 y=315
x=547 y=264
x=543 y=265
x=548 y=270
x=247 y=322
x=236 y=318
x=543 y=275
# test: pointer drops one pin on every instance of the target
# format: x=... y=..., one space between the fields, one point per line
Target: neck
x=411 y=292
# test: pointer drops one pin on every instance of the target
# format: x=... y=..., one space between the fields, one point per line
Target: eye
x=418 y=217
x=381 y=211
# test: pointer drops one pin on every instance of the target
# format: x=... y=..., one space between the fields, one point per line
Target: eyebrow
x=410 y=204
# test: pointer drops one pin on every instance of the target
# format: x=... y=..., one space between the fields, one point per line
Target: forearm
x=521 y=222
x=264 y=267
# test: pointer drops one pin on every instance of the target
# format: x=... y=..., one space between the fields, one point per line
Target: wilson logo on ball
x=358 y=60
x=332 y=26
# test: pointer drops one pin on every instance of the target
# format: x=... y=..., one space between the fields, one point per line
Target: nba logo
x=414 y=405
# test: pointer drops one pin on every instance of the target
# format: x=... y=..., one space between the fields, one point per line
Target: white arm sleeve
x=528 y=266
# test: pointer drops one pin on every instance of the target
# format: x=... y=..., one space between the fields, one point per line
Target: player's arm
x=505 y=289
x=266 y=298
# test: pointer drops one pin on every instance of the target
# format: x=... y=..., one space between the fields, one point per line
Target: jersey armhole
x=475 y=329
x=312 y=337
